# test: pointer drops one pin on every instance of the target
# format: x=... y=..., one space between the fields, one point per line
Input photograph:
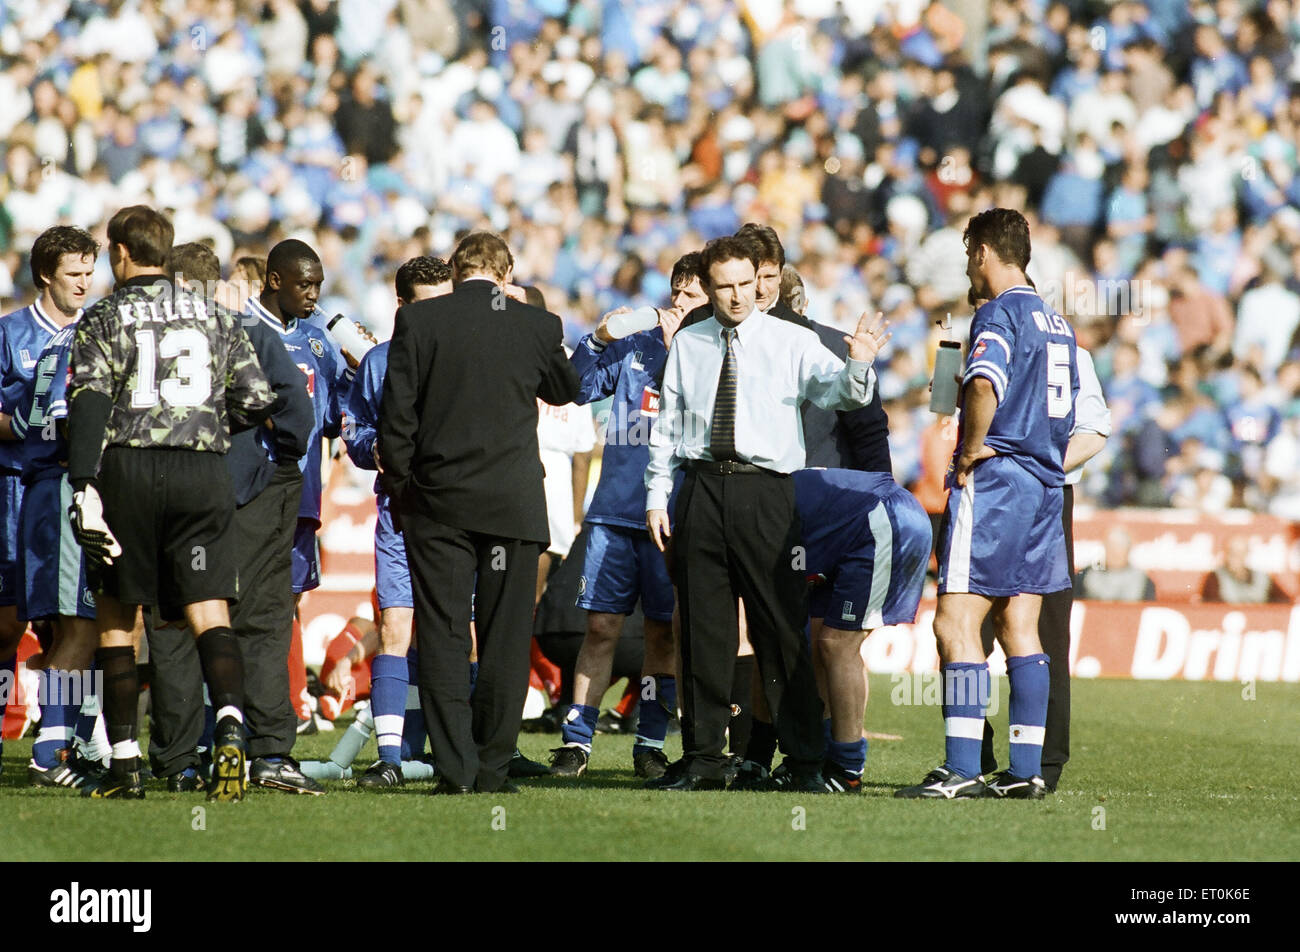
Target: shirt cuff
x=655 y=499
x=595 y=344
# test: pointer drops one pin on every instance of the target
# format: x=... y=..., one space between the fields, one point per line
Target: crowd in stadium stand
x=1153 y=146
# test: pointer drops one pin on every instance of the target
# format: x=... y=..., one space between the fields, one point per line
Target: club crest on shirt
x=317 y=348
x=979 y=350
x=582 y=585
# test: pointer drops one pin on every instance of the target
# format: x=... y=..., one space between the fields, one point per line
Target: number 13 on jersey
x=192 y=383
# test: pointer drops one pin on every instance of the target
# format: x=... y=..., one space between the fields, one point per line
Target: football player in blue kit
x=63 y=264
x=42 y=576
x=391 y=671
x=867 y=542
x=621 y=562
x=288 y=306
x=1002 y=544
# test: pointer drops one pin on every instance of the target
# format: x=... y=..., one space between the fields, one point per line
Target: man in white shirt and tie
x=729 y=416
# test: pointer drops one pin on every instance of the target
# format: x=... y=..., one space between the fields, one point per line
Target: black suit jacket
x=458 y=417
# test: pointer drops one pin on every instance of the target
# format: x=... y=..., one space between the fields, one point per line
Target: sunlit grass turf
x=1181 y=771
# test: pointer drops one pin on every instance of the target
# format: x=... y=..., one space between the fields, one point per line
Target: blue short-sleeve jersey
x=328 y=382
x=23 y=335
x=45 y=403
x=631 y=370
x=1027 y=352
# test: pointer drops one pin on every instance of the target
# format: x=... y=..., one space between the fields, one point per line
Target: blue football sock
x=90 y=736
x=58 y=714
x=413 y=732
x=850 y=756
x=1030 y=684
x=388 y=704
x=965 y=699
x=579 y=725
x=652 y=719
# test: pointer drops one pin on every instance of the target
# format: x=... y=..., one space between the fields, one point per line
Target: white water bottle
x=631 y=322
x=348 y=336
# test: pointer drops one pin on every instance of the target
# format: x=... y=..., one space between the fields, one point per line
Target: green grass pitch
x=1160 y=771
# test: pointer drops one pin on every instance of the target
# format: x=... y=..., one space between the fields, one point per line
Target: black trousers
x=262 y=620
x=175 y=700
x=1054 y=633
x=738 y=536
x=472 y=741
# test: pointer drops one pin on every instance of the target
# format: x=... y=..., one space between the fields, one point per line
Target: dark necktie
x=722 y=430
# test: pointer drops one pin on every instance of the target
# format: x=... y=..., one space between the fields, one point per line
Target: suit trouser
x=472 y=741
x=1054 y=634
x=262 y=620
x=738 y=536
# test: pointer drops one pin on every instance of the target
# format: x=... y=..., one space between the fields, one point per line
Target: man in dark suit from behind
x=458 y=451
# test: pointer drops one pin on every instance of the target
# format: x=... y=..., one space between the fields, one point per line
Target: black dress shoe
x=672 y=773
x=690 y=782
x=187 y=781
x=447 y=788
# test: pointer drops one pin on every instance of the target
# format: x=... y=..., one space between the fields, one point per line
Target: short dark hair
x=484 y=252
x=422 y=269
x=767 y=242
x=195 y=262
x=727 y=248
x=686 y=268
x=146 y=233
x=534 y=296
x=288 y=252
x=255 y=267
x=792 y=290
x=1004 y=230
x=52 y=244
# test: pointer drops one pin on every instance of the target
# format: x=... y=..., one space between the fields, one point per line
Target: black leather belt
x=728 y=467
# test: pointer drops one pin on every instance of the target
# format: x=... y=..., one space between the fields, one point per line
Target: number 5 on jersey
x=1058 y=381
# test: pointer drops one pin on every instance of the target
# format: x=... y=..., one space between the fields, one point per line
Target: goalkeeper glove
x=88 y=525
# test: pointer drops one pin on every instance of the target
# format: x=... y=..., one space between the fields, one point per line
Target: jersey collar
x=1019 y=288
x=44 y=319
x=257 y=309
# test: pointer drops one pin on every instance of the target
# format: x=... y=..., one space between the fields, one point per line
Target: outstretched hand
x=869 y=339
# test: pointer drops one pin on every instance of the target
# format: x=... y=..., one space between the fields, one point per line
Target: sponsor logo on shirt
x=846 y=613
x=650 y=401
x=310 y=374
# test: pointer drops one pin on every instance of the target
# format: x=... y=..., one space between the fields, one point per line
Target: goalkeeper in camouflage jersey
x=159 y=380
